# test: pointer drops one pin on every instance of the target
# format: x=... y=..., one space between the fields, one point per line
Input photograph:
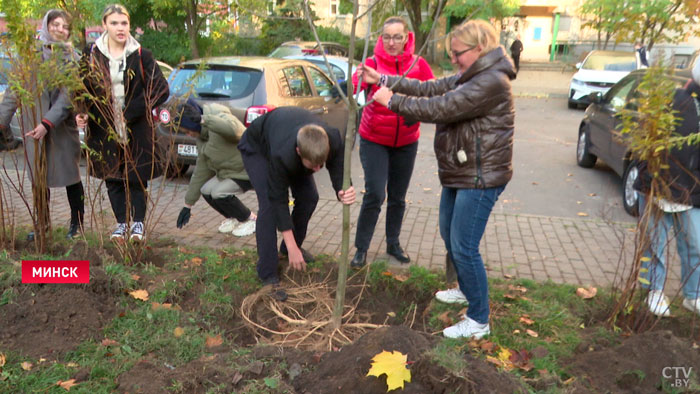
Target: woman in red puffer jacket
x=388 y=142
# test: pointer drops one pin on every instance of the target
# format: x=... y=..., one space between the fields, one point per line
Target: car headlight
x=576 y=81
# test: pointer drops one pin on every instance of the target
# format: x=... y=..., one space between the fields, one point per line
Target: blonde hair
x=313 y=145
x=473 y=33
x=115 y=9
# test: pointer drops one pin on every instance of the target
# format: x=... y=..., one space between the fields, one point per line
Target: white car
x=339 y=68
x=598 y=72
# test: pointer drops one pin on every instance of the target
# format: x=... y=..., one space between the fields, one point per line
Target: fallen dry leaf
x=393 y=365
x=592 y=194
x=214 y=341
x=135 y=277
x=139 y=294
x=517 y=288
x=72 y=365
x=66 y=384
x=27 y=365
x=526 y=321
x=588 y=293
x=156 y=305
x=582 y=214
x=401 y=278
x=387 y=273
x=109 y=342
x=196 y=261
x=516 y=331
x=535 y=183
x=178 y=332
x=532 y=333
x=579 y=202
x=508 y=276
x=3 y=360
x=488 y=346
x=445 y=318
x=427 y=189
x=391 y=314
x=569 y=174
x=494 y=361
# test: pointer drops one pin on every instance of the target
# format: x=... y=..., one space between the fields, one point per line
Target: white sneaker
x=451 y=296
x=136 y=232
x=658 y=304
x=692 y=305
x=467 y=328
x=227 y=226
x=119 y=233
x=244 y=229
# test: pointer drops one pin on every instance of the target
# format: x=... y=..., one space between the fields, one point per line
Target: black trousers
x=76 y=201
x=516 y=61
x=117 y=190
x=387 y=173
x=305 y=200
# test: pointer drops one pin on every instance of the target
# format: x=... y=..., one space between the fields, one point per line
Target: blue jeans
x=686 y=226
x=463 y=217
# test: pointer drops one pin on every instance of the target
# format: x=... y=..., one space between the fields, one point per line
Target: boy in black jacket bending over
x=281 y=150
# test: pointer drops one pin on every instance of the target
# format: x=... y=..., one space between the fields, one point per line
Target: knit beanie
x=189 y=115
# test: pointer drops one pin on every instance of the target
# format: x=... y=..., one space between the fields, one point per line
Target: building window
x=334 y=7
x=537 y=34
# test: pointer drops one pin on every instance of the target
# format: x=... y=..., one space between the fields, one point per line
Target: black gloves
x=183 y=218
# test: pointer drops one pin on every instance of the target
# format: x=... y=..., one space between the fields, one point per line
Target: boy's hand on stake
x=347 y=197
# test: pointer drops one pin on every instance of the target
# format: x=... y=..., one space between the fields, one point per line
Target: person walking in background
x=475 y=116
x=219 y=174
x=55 y=128
x=281 y=151
x=641 y=53
x=388 y=143
x=125 y=85
x=679 y=212
x=515 y=49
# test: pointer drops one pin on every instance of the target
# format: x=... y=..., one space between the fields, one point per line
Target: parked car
x=291 y=48
x=165 y=69
x=250 y=87
x=339 y=68
x=599 y=136
x=598 y=72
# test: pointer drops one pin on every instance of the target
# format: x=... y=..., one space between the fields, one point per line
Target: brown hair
x=313 y=145
x=473 y=33
x=53 y=14
x=396 y=19
x=115 y=9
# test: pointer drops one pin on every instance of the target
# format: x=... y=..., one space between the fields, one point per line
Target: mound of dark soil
x=345 y=371
x=48 y=320
x=637 y=365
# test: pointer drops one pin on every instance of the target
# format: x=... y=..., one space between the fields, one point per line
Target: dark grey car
x=599 y=136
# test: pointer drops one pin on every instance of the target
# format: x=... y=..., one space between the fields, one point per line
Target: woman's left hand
x=38 y=133
x=382 y=96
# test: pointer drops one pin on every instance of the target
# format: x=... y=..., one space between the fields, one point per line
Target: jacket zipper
x=398 y=119
x=478 y=164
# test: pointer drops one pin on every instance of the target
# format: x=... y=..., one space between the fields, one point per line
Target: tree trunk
x=416 y=18
x=191 y=25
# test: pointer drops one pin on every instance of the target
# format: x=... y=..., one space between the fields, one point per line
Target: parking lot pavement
x=542 y=84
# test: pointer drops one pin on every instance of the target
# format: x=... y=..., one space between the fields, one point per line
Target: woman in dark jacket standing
x=474 y=148
x=124 y=84
x=54 y=125
x=388 y=143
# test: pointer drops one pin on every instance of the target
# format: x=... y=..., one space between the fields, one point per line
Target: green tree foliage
x=647 y=21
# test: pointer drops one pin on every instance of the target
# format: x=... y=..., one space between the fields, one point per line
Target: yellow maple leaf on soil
x=67 y=384
x=393 y=364
x=139 y=294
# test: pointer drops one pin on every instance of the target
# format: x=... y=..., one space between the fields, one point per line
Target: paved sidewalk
x=564 y=250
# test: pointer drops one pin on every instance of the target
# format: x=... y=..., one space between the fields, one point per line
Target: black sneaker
x=308 y=257
x=359 y=260
x=73 y=231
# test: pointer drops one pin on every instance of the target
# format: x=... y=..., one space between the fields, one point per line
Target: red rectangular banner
x=55 y=271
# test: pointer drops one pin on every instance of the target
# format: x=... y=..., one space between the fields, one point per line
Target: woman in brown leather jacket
x=474 y=147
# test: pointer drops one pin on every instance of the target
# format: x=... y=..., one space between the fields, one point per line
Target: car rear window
x=611 y=62
x=286 y=50
x=223 y=82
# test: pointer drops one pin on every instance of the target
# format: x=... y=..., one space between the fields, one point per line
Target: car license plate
x=186 y=150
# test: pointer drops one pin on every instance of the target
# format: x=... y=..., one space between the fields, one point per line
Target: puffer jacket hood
x=217 y=147
x=379 y=124
x=475 y=119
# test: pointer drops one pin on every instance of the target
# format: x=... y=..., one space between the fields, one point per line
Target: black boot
x=359 y=260
x=398 y=253
x=73 y=230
